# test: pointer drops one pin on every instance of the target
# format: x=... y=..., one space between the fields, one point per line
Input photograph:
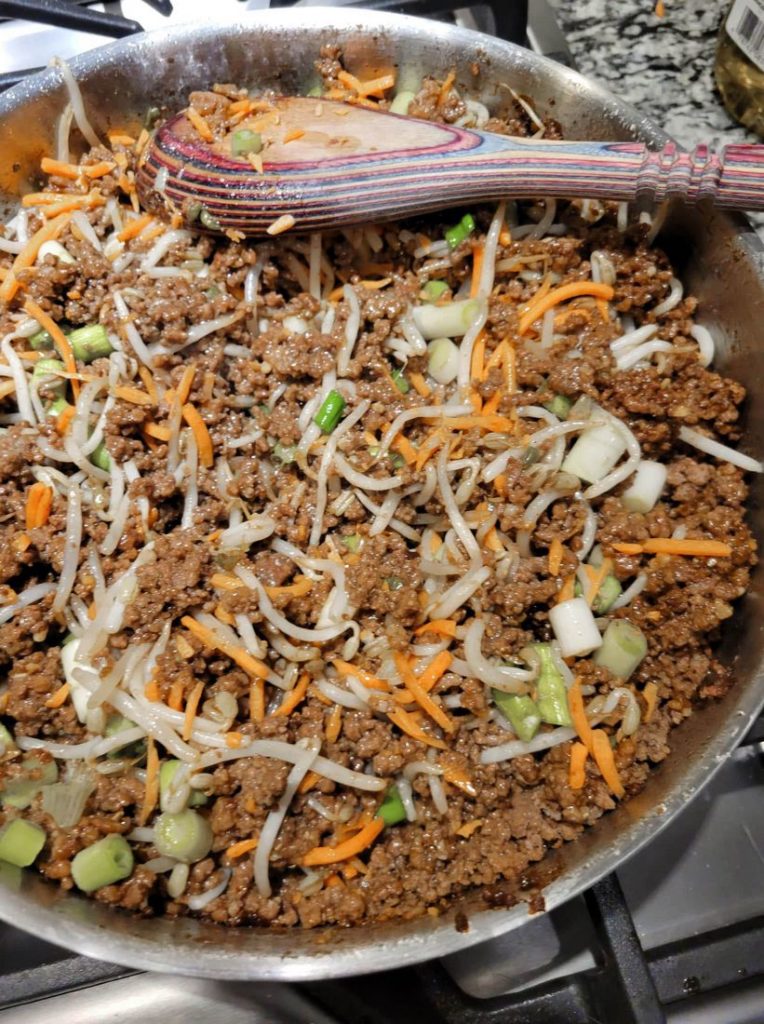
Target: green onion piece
x=521 y=712
x=245 y=141
x=352 y=542
x=315 y=91
x=401 y=102
x=559 y=406
x=551 y=692
x=396 y=459
x=531 y=455
x=433 y=290
x=209 y=220
x=57 y=406
x=623 y=648
x=186 y=836
x=394 y=582
x=89 y=343
x=20 y=842
x=608 y=593
x=20 y=792
x=6 y=739
x=104 y=863
x=391 y=810
x=41 y=341
x=213 y=292
x=45 y=371
x=328 y=416
x=167 y=772
x=193 y=212
x=100 y=457
x=461 y=231
x=115 y=724
x=400 y=381
x=374 y=451
x=284 y=453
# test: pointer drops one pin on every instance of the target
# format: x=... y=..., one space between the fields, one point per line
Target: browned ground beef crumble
x=523 y=807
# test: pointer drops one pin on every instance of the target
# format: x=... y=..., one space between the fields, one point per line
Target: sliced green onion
x=559 y=406
x=623 y=648
x=100 y=457
x=391 y=810
x=186 y=836
x=245 y=141
x=57 y=406
x=401 y=102
x=46 y=372
x=442 y=360
x=104 y=863
x=328 y=416
x=521 y=712
x=21 y=842
x=552 y=694
x=6 y=739
x=531 y=455
x=574 y=628
x=284 y=453
x=315 y=91
x=400 y=381
x=607 y=595
x=451 y=320
x=352 y=542
x=396 y=460
x=89 y=343
x=20 y=792
x=41 y=341
x=595 y=452
x=115 y=724
x=167 y=772
x=461 y=231
x=208 y=220
x=193 y=212
x=433 y=290
x=394 y=582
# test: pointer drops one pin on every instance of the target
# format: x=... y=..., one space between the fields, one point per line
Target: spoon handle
x=396 y=166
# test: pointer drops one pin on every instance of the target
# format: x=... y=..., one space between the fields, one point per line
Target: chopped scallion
x=100 y=457
x=521 y=712
x=434 y=290
x=284 y=453
x=608 y=593
x=108 y=861
x=186 y=836
x=208 y=220
x=89 y=343
x=46 y=371
x=559 y=406
x=391 y=810
x=393 y=582
x=21 y=842
x=352 y=542
x=460 y=232
x=623 y=648
x=396 y=459
x=400 y=381
x=167 y=772
x=21 y=791
x=531 y=455
x=328 y=416
x=41 y=341
x=552 y=697
x=245 y=141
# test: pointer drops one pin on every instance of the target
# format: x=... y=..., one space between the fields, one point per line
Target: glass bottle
x=739 y=68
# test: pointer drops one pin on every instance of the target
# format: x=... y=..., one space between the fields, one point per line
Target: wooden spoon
x=327 y=164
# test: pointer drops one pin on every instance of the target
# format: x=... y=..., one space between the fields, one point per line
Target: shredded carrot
x=99 y=170
x=469 y=827
x=234 y=739
x=148 y=383
x=344 y=851
x=202 y=435
x=443 y=627
x=500 y=484
x=133 y=395
x=191 y=705
x=200 y=124
x=27 y=256
x=238 y=655
x=495 y=424
x=58 y=697
x=505 y=236
x=121 y=139
x=59 y=338
x=556 y=552
x=539 y=306
x=404 y=448
x=134 y=227
x=564 y=315
x=628 y=549
x=510 y=370
x=320 y=697
x=490 y=407
x=225 y=581
x=69 y=205
x=377 y=85
x=698 y=548
x=21 y=542
x=334 y=725
x=311 y=779
x=175 y=698
x=294 y=696
x=157 y=431
x=293 y=135
x=478 y=250
x=432 y=673
x=578 y=756
x=477 y=368
x=151 y=690
x=428 y=447
x=151 y=791
x=567 y=590
x=408 y=724
x=578 y=714
x=597 y=578
x=39 y=502
x=650 y=694
x=420 y=384
x=257 y=700
x=240 y=848
x=422 y=697
x=64 y=419
x=299 y=588
x=459 y=778
x=603 y=755
x=445 y=88
x=372 y=682
x=60 y=169
x=349 y=81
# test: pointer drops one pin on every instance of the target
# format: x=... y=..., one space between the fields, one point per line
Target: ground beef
x=240 y=407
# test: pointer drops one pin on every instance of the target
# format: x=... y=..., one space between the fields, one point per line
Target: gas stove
x=676 y=935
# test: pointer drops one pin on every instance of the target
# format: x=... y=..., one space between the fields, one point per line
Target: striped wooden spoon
x=327 y=164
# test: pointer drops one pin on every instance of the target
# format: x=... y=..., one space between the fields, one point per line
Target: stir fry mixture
x=344 y=574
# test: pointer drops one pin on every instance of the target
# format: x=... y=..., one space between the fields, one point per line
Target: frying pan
x=721 y=261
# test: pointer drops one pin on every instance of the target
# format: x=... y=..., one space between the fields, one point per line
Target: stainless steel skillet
x=722 y=263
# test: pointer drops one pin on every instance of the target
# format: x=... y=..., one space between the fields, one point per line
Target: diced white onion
x=574 y=627
x=451 y=320
x=595 y=452
x=646 y=487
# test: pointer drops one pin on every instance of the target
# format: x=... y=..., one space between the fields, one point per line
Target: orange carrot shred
x=59 y=338
x=320 y=855
x=200 y=124
x=38 y=505
x=420 y=384
x=578 y=714
x=186 y=383
x=133 y=395
x=238 y=655
x=59 y=168
x=555 y=557
x=334 y=725
x=628 y=549
x=697 y=548
x=603 y=755
x=422 y=697
x=578 y=756
x=293 y=135
x=294 y=696
x=240 y=848
x=201 y=434
x=597 y=578
x=257 y=700
x=404 y=448
x=148 y=383
x=443 y=627
x=539 y=304
x=477 y=367
x=372 y=682
x=58 y=697
x=175 y=698
x=568 y=589
x=432 y=673
x=478 y=251
x=151 y=690
x=310 y=780
x=156 y=430
x=408 y=724
x=234 y=739
x=64 y=419
x=134 y=227
x=469 y=827
x=650 y=694
x=151 y=792
x=100 y=169
x=191 y=705
x=299 y=588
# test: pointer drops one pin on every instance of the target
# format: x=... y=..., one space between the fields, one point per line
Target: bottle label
x=745 y=26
